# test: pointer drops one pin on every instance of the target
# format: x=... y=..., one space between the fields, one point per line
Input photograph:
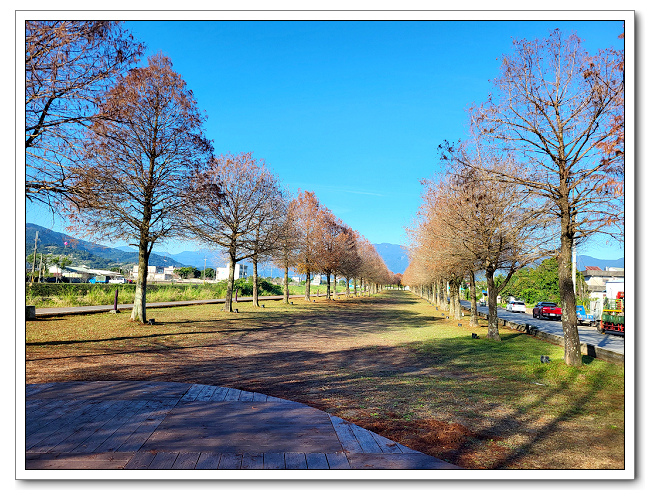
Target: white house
x=156 y=273
x=241 y=271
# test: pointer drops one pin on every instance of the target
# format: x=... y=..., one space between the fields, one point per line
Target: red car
x=547 y=310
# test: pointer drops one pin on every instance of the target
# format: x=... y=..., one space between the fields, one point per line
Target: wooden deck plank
x=246 y=396
x=49 y=413
x=140 y=435
x=230 y=461
x=186 y=460
x=274 y=461
x=122 y=434
x=102 y=412
x=406 y=449
x=54 y=432
x=206 y=393
x=259 y=397
x=395 y=461
x=33 y=389
x=367 y=442
x=347 y=438
x=219 y=394
x=316 y=461
x=109 y=427
x=140 y=460
x=252 y=461
x=65 y=461
x=232 y=395
x=295 y=460
x=386 y=445
x=337 y=460
x=192 y=392
x=163 y=460
x=208 y=460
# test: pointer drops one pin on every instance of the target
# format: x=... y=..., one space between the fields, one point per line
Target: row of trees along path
x=131 y=162
x=541 y=171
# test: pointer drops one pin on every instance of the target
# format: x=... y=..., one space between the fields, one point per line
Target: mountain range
x=99 y=256
x=85 y=253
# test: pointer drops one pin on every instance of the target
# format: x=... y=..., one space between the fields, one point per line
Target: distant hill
x=85 y=252
x=584 y=260
x=103 y=257
x=395 y=256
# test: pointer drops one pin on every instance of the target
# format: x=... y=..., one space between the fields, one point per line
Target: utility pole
x=34 y=261
x=573 y=266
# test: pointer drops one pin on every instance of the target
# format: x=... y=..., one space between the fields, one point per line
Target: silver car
x=516 y=306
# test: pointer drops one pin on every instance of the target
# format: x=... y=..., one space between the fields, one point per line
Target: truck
x=613 y=317
x=547 y=310
x=584 y=317
x=98 y=279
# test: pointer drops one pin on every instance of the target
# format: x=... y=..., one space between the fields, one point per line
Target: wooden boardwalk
x=165 y=425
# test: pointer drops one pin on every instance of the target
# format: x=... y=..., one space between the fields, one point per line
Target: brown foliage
x=559 y=111
x=245 y=220
x=68 y=65
x=130 y=183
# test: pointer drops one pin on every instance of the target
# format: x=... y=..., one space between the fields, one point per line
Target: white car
x=516 y=306
x=118 y=279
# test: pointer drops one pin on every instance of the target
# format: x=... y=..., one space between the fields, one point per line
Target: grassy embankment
x=83 y=294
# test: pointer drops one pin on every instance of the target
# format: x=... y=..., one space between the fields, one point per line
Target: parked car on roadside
x=516 y=306
x=547 y=310
x=583 y=317
x=118 y=279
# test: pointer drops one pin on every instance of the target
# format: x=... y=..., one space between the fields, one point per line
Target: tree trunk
x=334 y=291
x=493 y=320
x=255 y=291
x=227 y=307
x=139 y=311
x=327 y=295
x=355 y=287
x=445 y=301
x=572 y=353
x=286 y=284
x=307 y=286
x=473 y=314
x=347 y=287
x=455 y=299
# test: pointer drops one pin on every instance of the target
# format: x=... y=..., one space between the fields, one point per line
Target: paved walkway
x=166 y=425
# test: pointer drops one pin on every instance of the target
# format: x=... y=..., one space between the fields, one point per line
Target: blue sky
x=351 y=110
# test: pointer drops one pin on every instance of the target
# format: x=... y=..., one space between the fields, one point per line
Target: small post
x=30 y=312
x=115 y=301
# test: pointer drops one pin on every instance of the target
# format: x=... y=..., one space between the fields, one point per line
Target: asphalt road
x=588 y=334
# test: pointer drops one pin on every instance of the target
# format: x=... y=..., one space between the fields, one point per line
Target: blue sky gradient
x=354 y=111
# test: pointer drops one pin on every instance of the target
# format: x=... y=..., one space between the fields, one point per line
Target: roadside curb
x=587 y=349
